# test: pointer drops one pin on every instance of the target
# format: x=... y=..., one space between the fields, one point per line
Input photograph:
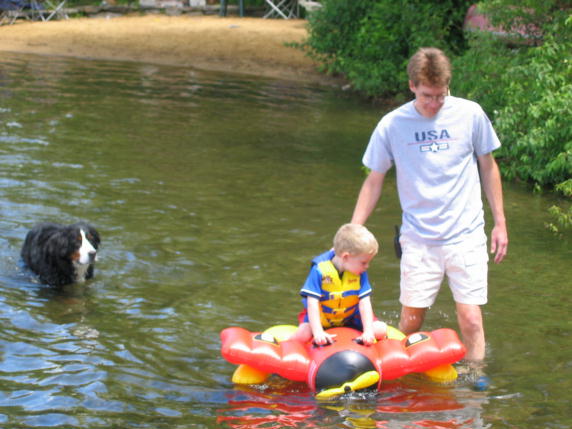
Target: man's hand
x=499 y=243
x=491 y=180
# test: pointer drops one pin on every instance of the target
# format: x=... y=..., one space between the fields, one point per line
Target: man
x=442 y=148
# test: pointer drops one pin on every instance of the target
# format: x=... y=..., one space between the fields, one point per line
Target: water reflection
x=398 y=405
x=212 y=193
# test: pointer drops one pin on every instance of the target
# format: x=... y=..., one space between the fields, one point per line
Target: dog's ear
x=90 y=232
x=60 y=245
x=93 y=236
x=69 y=242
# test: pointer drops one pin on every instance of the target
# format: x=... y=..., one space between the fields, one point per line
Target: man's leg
x=411 y=319
x=421 y=276
x=471 y=324
x=470 y=321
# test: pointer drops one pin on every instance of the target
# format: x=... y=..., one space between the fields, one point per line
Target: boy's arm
x=366 y=313
x=321 y=337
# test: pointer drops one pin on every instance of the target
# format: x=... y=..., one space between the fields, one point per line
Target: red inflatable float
x=344 y=366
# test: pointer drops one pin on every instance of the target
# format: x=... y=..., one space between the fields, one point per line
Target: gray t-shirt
x=436 y=165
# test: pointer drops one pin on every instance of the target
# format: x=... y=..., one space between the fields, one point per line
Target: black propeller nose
x=340 y=368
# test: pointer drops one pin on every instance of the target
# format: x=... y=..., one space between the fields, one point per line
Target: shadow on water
x=211 y=194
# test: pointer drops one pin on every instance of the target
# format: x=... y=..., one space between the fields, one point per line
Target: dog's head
x=78 y=242
x=87 y=239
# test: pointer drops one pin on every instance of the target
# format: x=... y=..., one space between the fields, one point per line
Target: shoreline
x=252 y=46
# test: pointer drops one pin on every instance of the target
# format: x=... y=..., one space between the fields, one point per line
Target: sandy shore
x=245 y=45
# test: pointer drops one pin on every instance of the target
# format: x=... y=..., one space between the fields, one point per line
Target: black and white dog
x=61 y=254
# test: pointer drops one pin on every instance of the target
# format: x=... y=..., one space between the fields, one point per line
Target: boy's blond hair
x=355 y=239
x=429 y=66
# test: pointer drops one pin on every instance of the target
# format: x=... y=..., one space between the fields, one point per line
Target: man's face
x=428 y=99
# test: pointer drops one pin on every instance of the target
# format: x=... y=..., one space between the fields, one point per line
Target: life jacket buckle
x=336 y=295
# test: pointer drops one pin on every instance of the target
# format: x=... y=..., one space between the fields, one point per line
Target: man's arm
x=491 y=180
x=368 y=197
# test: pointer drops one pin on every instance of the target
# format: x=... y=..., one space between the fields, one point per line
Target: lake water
x=212 y=192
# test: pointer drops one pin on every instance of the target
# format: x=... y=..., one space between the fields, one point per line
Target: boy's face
x=428 y=99
x=356 y=264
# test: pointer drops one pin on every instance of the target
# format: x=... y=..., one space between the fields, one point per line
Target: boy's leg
x=303 y=333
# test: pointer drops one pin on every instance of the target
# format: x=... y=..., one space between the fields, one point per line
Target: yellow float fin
x=361 y=382
x=394 y=333
x=445 y=373
x=245 y=374
x=281 y=332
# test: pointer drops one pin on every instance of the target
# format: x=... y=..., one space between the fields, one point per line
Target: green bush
x=562 y=217
x=527 y=91
x=370 y=41
x=526 y=20
x=478 y=71
x=332 y=31
x=535 y=122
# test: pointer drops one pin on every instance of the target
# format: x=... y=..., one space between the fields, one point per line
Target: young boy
x=337 y=290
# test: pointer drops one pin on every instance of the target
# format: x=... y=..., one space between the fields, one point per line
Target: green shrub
x=527 y=90
x=370 y=41
x=535 y=121
x=526 y=20
x=333 y=29
x=561 y=216
x=478 y=71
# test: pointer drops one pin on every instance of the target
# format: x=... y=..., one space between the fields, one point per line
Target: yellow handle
x=361 y=382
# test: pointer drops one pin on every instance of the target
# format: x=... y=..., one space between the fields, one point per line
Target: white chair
x=45 y=10
x=282 y=9
x=310 y=5
x=11 y=10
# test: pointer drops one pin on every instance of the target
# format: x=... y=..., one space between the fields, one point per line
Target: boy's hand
x=367 y=338
x=323 y=338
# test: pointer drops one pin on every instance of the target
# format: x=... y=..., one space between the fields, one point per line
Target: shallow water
x=212 y=192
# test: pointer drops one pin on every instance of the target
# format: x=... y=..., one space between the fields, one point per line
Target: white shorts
x=423 y=268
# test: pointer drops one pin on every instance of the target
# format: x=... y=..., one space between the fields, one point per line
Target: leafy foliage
x=536 y=121
x=370 y=41
x=527 y=89
x=562 y=216
x=528 y=19
x=333 y=30
x=478 y=71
